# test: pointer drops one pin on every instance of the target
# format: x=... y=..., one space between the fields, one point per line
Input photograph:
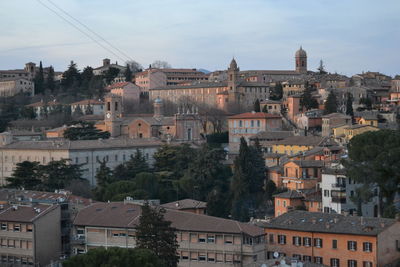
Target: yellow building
x=369 y=121
x=351 y=131
x=295 y=144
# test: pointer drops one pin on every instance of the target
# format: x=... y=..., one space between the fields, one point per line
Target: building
x=89 y=153
x=184 y=126
x=356 y=129
x=188 y=205
x=42 y=108
x=337 y=192
x=129 y=92
x=89 y=106
x=271 y=106
x=333 y=120
x=296 y=144
x=155 y=77
x=106 y=66
x=30 y=234
x=249 y=124
x=14 y=86
x=333 y=239
x=300 y=174
x=309 y=200
x=203 y=240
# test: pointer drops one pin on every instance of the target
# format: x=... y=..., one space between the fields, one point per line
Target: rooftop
x=302 y=140
x=272 y=135
x=185 y=204
x=291 y=194
x=126 y=215
x=254 y=115
x=18 y=213
x=318 y=222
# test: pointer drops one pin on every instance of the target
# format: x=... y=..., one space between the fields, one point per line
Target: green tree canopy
x=307 y=101
x=276 y=92
x=331 y=103
x=156 y=234
x=84 y=131
x=128 y=73
x=374 y=159
x=50 y=83
x=111 y=74
x=257 y=107
x=26 y=175
x=39 y=80
x=114 y=257
x=71 y=78
x=349 y=105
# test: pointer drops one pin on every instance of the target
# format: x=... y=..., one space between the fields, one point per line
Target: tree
x=366 y=101
x=307 y=101
x=84 y=131
x=136 y=164
x=257 y=107
x=89 y=110
x=39 y=80
x=27 y=113
x=277 y=92
x=159 y=64
x=71 y=78
x=58 y=174
x=173 y=159
x=156 y=234
x=50 y=84
x=374 y=160
x=134 y=66
x=321 y=68
x=115 y=257
x=331 y=103
x=26 y=175
x=349 y=105
x=86 y=77
x=111 y=74
x=128 y=73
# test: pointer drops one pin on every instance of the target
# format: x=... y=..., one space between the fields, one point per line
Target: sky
x=350 y=36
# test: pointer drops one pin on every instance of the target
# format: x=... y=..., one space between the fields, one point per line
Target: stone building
x=106 y=66
x=11 y=87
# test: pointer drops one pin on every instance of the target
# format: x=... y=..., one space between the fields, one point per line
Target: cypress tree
x=128 y=73
x=50 y=84
x=331 y=103
x=349 y=105
x=257 y=107
x=39 y=80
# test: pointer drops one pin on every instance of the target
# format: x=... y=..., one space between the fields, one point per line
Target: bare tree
x=159 y=64
x=134 y=66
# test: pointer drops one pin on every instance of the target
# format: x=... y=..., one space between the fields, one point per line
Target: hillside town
x=248 y=167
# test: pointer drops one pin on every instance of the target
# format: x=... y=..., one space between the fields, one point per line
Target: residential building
x=295 y=144
x=309 y=120
x=42 y=108
x=271 y=106
x=333 y=120
x=188 y=205
x=89 y=107
x=292 y=88
x=300 y=174
x=106 y=66
x=30 y=234
x=309 y=200
x=89 y=153
x=129 y=92
x=356 y=129
x=293 y=106
x=337 y=192
x=203 y=240
x=333 y=239
x=249 y=124
x=14 y=86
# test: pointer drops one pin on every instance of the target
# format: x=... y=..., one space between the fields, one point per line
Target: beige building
x=106 y=66
x=91 y=106
x=30 y=234
x=129 y=92
x=86 y=152
x=203 y=240
x=11 y=87
x=333 y=120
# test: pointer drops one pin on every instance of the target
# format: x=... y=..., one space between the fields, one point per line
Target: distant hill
x=204 y=71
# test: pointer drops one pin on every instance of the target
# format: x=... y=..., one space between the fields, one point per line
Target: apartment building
x=334 y=240
x=203 y=240
x=249 y=124
x=338 y=190
x=296 y=144
x=306 y=199
x=333 y=120
x=89 y=153
x=30 y=234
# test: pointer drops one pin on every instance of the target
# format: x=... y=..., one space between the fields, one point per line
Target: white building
x=11 y=86
x=337 y=190
x=90 y=153
x=96 y=107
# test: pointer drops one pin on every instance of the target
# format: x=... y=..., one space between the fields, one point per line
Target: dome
x=301 y=53
x=233 y=64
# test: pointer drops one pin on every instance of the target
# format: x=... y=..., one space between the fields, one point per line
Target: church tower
x=158 y=106
x=301 y=61
x=233 y=79
x=113 y=114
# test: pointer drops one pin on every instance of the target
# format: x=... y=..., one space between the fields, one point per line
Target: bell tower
x=301 y=61
x=233 y=73
x=113 y=114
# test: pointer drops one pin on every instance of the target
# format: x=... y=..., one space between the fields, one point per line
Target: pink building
x=128 y=91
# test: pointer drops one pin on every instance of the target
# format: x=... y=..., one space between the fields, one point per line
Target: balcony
x=339 y=185
x=339 y=199
x=78 y=240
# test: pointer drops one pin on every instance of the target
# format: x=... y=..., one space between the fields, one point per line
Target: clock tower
x=113 y=114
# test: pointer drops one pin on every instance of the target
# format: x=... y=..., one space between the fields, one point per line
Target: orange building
x=334 y=240
x=301 y=174
x=309 y=199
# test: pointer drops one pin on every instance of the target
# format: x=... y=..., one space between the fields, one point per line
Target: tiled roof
x=185 y=204
x=193 y=86
x=126 y=215
x=291 y=194
x=88 y=102
x=83 y=144
x=24 y=213
x=318 y=222
x=302 y=140
x=254 y=115
x=333 y=115
x=309 y=163
x=118 y=85
x=272 y=135
x=358 y=126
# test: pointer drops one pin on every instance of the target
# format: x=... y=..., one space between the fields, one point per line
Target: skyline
x=348 y=37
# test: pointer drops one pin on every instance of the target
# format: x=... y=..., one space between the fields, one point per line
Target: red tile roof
x=254 y=115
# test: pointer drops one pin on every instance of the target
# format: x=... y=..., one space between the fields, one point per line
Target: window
x=271 y=238
x=185 y=255
x=211 y=257
x=240 y=123
x=367 y=246
x=307 y=241
x=252 y=123
x=282 y=239
x=17 y=227
x=4 y=227
x=258 y=123
x=297 y=256
x=326 y=193
x=284 y=203
x=335 y=262
x=297 y=240
x=202 y=256
x=278 y=202
x=352 y=263
x=318 y=242
x=334 y=243
x=228 y=239
x=367 y=264
x=116 y=157
x=307 y=258
x=318 y=260
x=211 y=239
x=29 y=228
x=202 y=238
x=352 y=245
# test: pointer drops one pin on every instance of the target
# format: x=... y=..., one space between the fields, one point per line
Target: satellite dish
x=276 y=254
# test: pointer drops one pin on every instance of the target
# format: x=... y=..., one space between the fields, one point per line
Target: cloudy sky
x=350 y=36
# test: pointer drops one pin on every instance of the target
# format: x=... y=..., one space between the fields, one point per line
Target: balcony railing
x=78 y=239
x=339 y=185
x=341 y=199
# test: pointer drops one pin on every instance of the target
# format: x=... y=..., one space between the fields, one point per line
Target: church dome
x=233 y=64
x=301 y=53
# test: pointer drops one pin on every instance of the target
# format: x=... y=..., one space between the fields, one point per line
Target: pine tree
x=257 y=107
x=307 y=101
x=331 y=103
x=136 y=165
x=86 y=77
x=156 y=234
x=349 y=105
x=321 y=67
x=71 y=78
x=26 y=175
x=128 y=73
x=277 y=92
